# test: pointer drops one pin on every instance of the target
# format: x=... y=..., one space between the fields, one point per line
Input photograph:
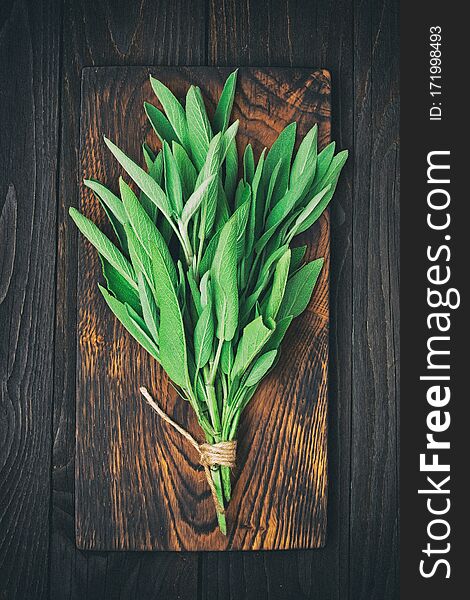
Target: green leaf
x=332 y=174
x=288 y=202
x=204 y=337
x=224 y=275
x=146 y=183
x=279 y=285
x=299 y=289
x=241 y=217
x=139 y=257
x=260 y=368
x=254 y=337
x=199 y=127
x=323 y=162
x=270 y=191
x=172 y=337
x=304 y=220
x=104 y=246
x=174 y=191
x=209 y=202
x=160 y=124
x=118 y=286
x=188 y=173
x=224 y=107
x=204 y=286
x=262 y=282
x=282 y=325
x=227 y=139
x=149 y=308
x=281 y=150
x=155 y=172
x=110 y=200
x=231 y=172
x=226 y=358
x=121 y=311
x=144 y=228
x=174 y=111
x=297 y=256
x=113 y=208
x=306 y=157
x=257 y=207
x=248 y=164
x=149 y=156
x=194 y=201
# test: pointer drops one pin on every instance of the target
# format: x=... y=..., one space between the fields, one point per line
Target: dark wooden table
x=43 y=47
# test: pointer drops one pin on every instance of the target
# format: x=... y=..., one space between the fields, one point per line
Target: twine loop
x=221 y=454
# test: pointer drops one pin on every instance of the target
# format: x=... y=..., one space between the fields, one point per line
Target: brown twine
x=221 y=454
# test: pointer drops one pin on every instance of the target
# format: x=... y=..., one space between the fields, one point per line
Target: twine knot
x=221 y=454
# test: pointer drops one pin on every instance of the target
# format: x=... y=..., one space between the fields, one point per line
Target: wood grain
x=29 y=46
x=137 y=485
x=375 y=357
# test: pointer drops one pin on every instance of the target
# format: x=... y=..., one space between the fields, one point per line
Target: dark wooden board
x=137 y=485
x=29 y=104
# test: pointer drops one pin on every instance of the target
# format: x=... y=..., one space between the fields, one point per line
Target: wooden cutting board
x=138 y=483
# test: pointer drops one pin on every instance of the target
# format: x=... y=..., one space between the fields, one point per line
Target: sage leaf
x=162 y=127
x=297 y=256
x=299 y=289
x=224 y=275
x=144 y=228
x=204 y=336
x=211 y=167
x=260 y=368
x=304 y=220
x=104 y=246
x=149 y=308
x=199 y=127
x=226 y=358
x=195 y=200
x=145 y=182
x=254 y=337
x=174 y=111
x=172 y=336
x=187 y=172
x=224 y=107
x=119 y=286
x=122 y=313
x=139 y=257
x=306 y=157
x=280 y=330
x=248 y=164
x=281 y=150
x=174 y=191
x=279 y=285
x=110 y=200
x=149 y=156
x=231 y=172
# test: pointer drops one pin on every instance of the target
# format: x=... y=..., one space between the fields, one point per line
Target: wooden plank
x=137 y=485
x=375 y=311
x=29 y=75
x=299 y=34
x=148 y=32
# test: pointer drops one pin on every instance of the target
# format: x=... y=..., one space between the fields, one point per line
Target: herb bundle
x=202 y=273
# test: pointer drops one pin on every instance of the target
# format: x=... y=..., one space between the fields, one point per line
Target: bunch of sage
x=202 y=272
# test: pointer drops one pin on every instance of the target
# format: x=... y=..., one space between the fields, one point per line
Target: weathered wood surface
x=358 y=43
x=29 y=95
x=138 y=484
